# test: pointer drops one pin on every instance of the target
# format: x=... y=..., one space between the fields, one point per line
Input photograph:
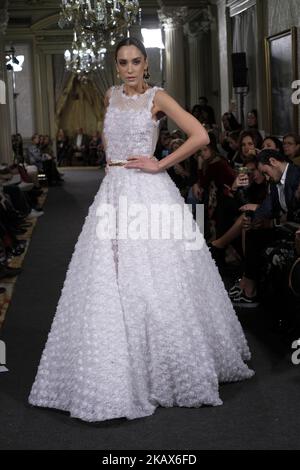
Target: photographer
x=249 y=190
x=284 y=179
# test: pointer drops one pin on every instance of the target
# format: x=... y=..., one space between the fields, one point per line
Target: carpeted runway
x=262 y=413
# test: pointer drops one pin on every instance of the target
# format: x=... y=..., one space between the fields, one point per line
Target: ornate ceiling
x=25 y=13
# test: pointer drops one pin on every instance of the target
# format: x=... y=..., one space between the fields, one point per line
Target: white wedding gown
x=140 y=323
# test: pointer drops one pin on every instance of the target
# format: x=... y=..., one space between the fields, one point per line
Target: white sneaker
x=35 y=214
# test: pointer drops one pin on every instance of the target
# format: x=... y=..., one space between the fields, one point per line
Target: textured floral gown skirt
x=142 y=321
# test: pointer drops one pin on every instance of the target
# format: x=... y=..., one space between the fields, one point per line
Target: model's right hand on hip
x=107 y=166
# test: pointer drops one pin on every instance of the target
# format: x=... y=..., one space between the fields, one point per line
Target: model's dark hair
x=132 y=41
x=265 y=155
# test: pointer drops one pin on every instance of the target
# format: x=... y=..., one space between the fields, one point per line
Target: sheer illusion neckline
x=136 y=96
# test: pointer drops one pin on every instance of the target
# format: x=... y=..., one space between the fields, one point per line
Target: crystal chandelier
x=97 y=25
x=85 y=55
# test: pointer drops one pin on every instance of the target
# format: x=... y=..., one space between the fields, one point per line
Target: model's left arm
x=197 y=136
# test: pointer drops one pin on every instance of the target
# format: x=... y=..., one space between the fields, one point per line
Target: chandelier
x=97 y=25
x=85 y=55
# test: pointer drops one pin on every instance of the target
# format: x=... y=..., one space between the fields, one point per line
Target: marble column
x=198 y=31
x=172 y=20
x=6 y=153
x=196 y=71
x=223 y=55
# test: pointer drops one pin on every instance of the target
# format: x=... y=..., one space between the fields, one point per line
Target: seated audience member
x=95 y=147
x=210 y=188
x=254 y=185
x=230 y=124
x=233 y=143
x=183 y=173
x=273 y=143
x=62 y=147
x=43 y=160
x=250 y=143
x=162 y=147
x=252 y=122
x=291 y=148
x=17 y=146
x=80 y=145
x=208 y=110
x=284 y=180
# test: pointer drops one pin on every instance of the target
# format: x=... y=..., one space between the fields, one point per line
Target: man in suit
x=80 y=145
x=284 y=178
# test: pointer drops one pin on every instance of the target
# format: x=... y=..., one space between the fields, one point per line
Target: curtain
x=80 y=106
x=61 y=75
x=245 y=40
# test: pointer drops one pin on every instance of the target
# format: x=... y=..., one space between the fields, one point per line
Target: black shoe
x=6 y=271
x=235 y=290
x=243 y=301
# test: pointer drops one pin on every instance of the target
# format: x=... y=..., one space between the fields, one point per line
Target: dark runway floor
x=262 y=413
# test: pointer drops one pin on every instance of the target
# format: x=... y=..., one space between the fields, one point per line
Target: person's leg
x=234 y=232
x=47 y=166
x=255 y=242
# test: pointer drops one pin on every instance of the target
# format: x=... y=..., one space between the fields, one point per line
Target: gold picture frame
x=281 y=70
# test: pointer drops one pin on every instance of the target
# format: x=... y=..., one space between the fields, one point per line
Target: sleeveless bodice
x=129 y=128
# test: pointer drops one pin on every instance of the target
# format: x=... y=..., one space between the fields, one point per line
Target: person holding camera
x=261 y=232
x=249 y=190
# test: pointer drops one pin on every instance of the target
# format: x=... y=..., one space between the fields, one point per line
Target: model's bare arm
x=197 y=135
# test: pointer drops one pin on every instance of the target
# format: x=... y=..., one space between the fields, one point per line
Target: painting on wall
x=281 y=65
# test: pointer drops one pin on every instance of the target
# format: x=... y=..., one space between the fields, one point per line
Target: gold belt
x=117 y=162
x=122 y=162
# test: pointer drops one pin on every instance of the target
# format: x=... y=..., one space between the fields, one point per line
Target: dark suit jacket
x=270 y=208
x=84 y=142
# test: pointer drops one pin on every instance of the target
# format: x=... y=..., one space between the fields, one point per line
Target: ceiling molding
x=236 y=7
x=45 y=23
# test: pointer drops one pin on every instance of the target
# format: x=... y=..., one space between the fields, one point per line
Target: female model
x=142 y=321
